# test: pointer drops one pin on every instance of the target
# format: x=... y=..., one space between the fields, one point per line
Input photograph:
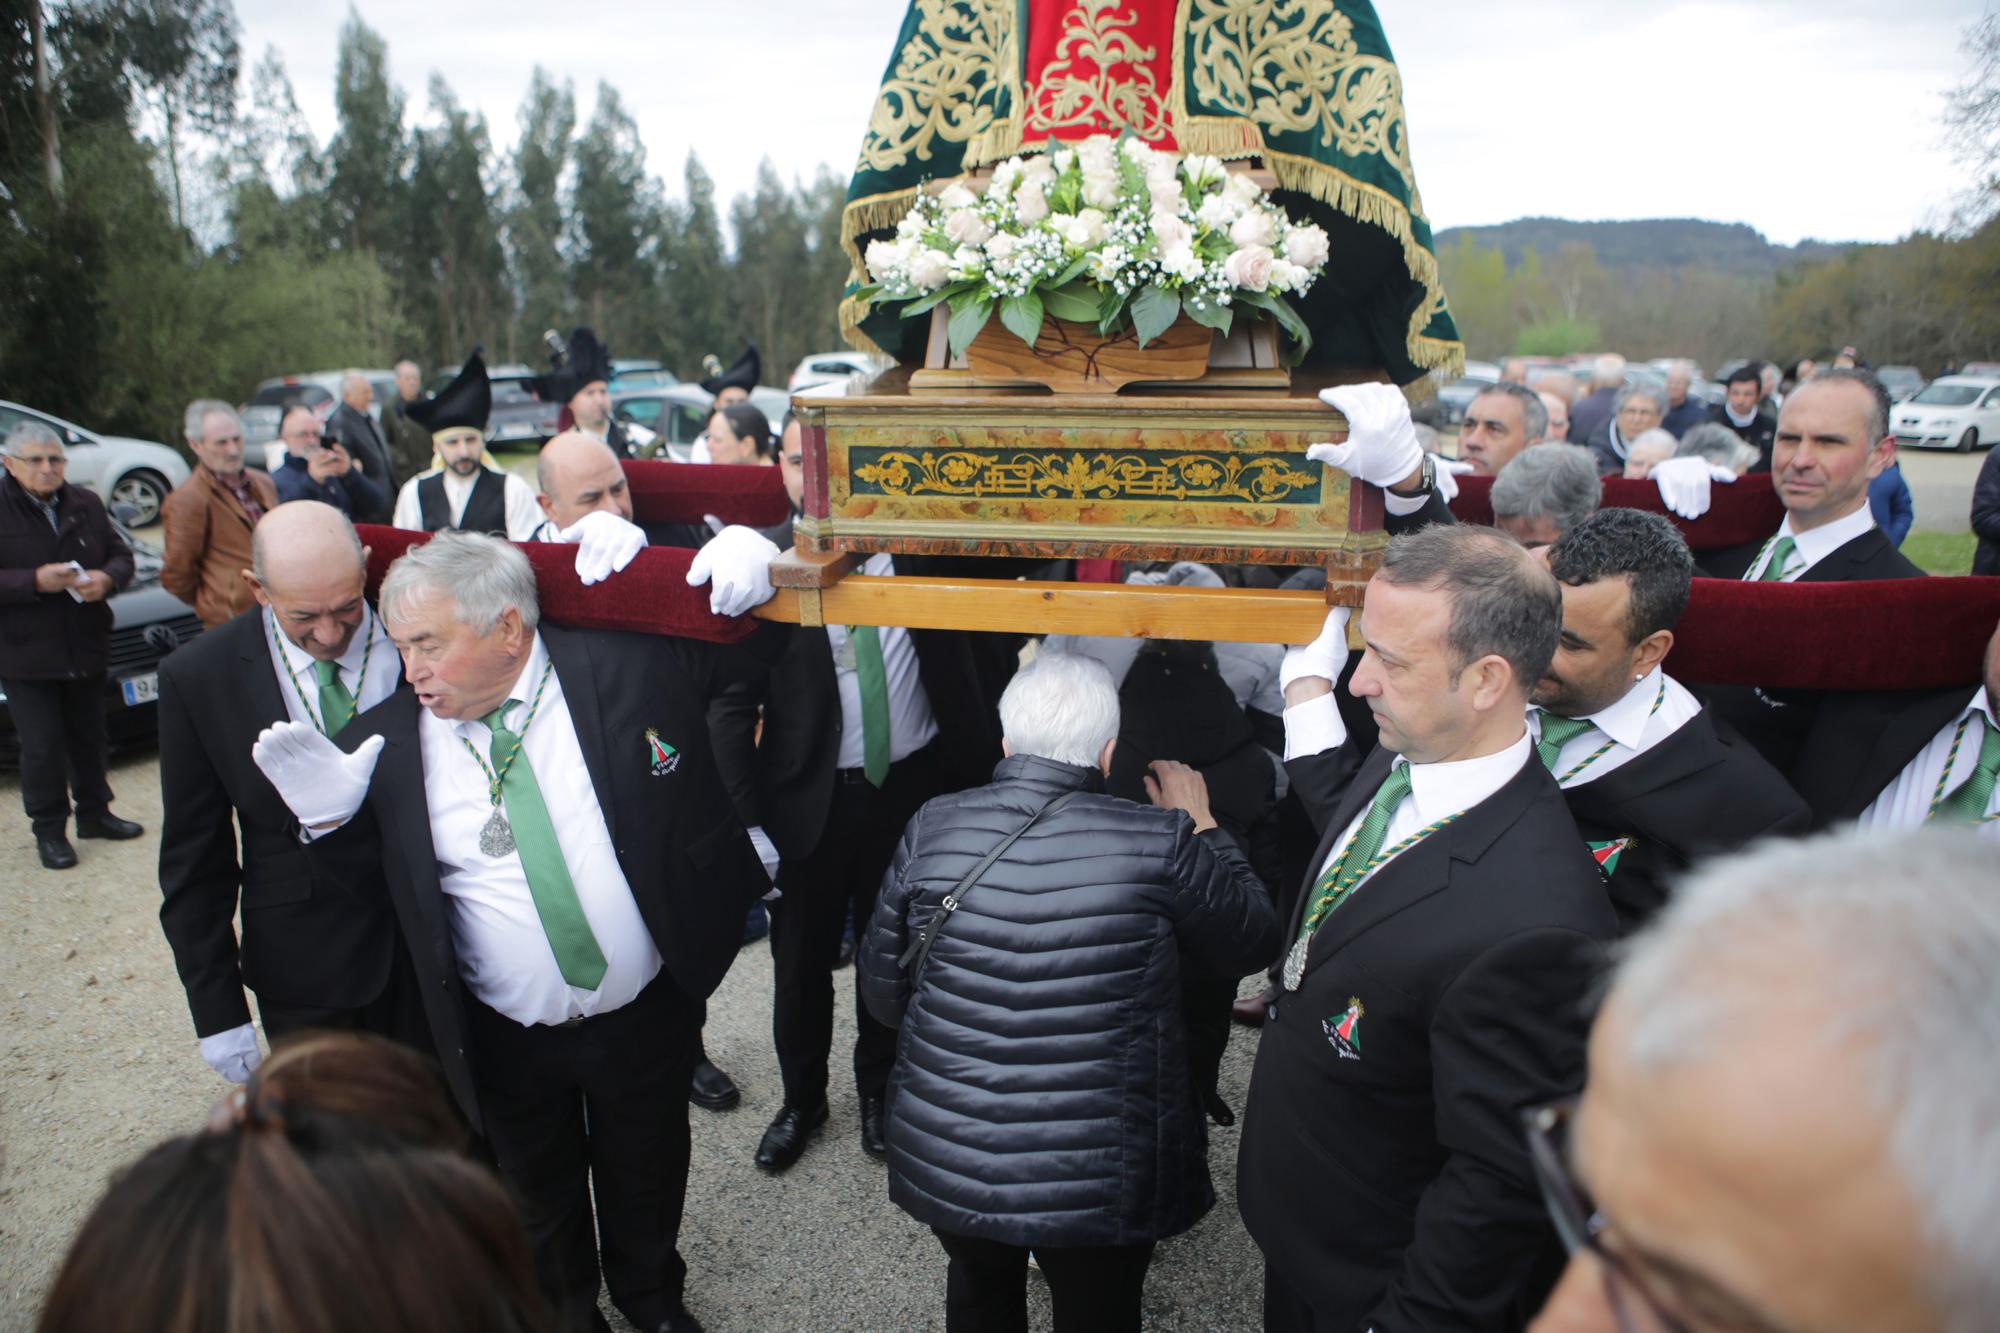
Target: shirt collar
x=1625 y=721
x=523 y=691
x=1983 y=702
x=301 y=662
x=1820 y=542
x=1443 y=790
x=1735 y=420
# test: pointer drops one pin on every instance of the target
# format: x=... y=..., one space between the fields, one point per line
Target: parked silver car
x=318 y=389
x=138 y=473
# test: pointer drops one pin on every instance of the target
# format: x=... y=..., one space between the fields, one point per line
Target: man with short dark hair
x=1652 y=781
x=1832 y=440
x=1440 y=958
x=1501 y=422
x=1742 y=411
x=60 y=558
x=315 y=469
x=1547 y=490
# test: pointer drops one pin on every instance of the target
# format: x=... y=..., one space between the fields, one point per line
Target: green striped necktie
x=873 y=676
x=336 y=705
x=563 y=921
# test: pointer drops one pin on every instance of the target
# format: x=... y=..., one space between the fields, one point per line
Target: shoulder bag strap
x=920 y=948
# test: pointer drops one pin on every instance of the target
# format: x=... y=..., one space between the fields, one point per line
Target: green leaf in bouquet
x=1023 y=317
x=1288 y=319
x=923 y=303
x=1070 y=271
x=1076 y=302
x=966 y=324
x=968 y=294
x=1154 y=310
x=1210 y=314
x=867 y=292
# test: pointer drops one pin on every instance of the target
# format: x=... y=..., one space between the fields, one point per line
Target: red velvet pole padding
x=688 y=492
x=651 y=595
x=1740 y=511
x=1898 y=634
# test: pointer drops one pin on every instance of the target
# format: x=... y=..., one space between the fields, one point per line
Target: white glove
x=1324 y=657
x=1684 y=484
x=322 y=784
x=767 y=851
x=605 y=544
x=738 y=560
x=1447 y=472
x=233 y=1054
x=1381 y=446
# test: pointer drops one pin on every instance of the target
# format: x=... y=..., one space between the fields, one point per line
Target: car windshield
x=277 y=395
x=1948 y=395
x=506 y=392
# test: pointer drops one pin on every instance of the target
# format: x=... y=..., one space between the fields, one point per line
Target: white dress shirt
x=1437 y=791
x=1632 y=725
x=370 y=645
x=1905 y=802
x=523 y=514
x=1740 y=423
x=911 y=722
x=1809 y=548
x=503 y=952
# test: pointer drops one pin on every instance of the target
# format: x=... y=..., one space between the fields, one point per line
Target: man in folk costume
x=580 y=379
x=462 y=493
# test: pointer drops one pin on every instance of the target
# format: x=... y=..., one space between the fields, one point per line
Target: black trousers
x=61 y=726
x=595 y=1110
x=1094 y=1289
x=863 y=825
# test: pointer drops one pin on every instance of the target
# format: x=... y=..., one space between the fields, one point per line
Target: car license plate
x=141 y=689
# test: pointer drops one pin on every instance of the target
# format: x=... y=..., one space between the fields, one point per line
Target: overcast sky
x=1802 y=118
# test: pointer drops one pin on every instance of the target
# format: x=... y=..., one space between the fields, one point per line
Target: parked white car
x=139 y=473
x=824 y=366
x=1959 y=412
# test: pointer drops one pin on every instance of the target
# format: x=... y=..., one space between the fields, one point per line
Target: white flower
x=1137 y=151
x=883 y=260
x=1253 y=228
x=930 y=269
x=966 y=227
x=1082 y=230
x=966 y=259
x=1097 y=153
x=1217 y=212
x=1171 y=232
x=1108 y=263
x=1289 y=277
x=1306 y=247
x=1100 y=188
x=913 y=226
x=957 y=196
x=1005 y=175
x=1000 y=251
x=1249 y=268
x=1038 y=168
x=1241 y=189
x=1031 y=205
x=1181 y=261
x=1202 y=170
x=1166 y=195
x=1064 y=157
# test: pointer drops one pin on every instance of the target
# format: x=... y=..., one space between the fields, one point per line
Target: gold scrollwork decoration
x=1293 y=66
x=1121 y=93
x=946 y=84
x=1076 y=475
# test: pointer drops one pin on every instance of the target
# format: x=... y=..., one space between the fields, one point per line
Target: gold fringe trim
x=1219 y=138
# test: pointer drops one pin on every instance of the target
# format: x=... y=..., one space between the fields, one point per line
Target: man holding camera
x=318 y=469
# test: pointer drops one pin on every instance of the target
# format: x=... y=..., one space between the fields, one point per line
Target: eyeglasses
x=40 y=460
x=1580 y=1224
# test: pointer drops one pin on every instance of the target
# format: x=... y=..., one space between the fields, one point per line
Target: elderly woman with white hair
x=1028 y=940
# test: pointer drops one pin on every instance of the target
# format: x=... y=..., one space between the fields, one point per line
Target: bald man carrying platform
x=316 y=953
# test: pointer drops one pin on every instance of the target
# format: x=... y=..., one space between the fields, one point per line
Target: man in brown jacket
x=209 y=517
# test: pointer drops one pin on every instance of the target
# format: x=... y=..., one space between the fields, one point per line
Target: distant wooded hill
x=1669 y=243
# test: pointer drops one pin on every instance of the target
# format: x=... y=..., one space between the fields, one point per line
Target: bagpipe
x=1905 y=634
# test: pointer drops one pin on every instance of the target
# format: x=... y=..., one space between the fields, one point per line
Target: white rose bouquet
x=1106 y=232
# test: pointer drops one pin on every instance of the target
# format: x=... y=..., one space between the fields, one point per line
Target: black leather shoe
x=874 y=1133
x=56 y=852
x=711 y=1089
x=680 y=1321
x=108 y=825
x=785 y=1141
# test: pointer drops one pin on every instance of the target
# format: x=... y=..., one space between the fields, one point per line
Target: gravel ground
x=101 y=1064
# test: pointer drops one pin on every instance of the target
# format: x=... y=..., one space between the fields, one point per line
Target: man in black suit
x=1904 y=758
x=1742 y=411
x=1439 y=962
x=1652 y=780
x=351 y=426
x=317 y=952
x=861 y=726
x=1833 y=439
x=571 y=882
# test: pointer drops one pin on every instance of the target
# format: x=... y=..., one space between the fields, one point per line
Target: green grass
x=1940 y=552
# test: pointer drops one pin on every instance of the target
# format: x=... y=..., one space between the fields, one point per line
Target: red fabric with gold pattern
x=649 y=596
x=1097 y=67
x=1745 y=510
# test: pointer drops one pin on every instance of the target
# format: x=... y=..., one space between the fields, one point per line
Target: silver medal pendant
x=1295 y=964
x=496 y=839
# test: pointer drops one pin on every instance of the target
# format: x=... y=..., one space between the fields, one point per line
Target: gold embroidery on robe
x=946 y=84
x=1122 y=93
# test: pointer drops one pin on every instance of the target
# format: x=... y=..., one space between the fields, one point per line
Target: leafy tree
x=367 y=190
x=455 y=261
x=696 y=279
x=618 y=216
x=535 y=215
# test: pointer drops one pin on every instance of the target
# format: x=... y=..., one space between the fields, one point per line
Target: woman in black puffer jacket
x=1041 y=1098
